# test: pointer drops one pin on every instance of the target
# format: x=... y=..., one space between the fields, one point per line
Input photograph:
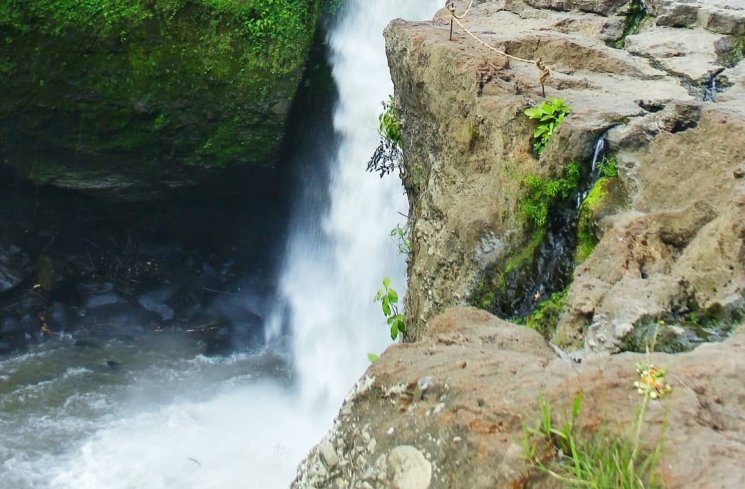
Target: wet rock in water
x=58 y=315
x=86 y=343
x=11 y=334
x=113 y=364
x=14 y=267
x=98 y=294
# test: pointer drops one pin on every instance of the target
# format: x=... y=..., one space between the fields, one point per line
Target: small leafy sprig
x=401 y=236
x=549 y=114
x=388 y=299
x=387 y=156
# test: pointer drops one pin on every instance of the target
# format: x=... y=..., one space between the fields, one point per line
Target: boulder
x=14 y=267
x=487 y=378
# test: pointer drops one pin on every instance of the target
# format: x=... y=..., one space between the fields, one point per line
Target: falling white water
x=335 y=267
x=175 y=420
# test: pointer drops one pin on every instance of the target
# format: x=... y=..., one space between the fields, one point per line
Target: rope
x=452 y=5
x=544 y=71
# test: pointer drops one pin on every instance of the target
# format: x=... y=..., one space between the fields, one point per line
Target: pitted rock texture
x=674 y=108
x=486 y=376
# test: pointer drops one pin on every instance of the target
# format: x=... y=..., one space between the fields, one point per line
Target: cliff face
x=131 y=99
x=646 y=242
x=674 y=222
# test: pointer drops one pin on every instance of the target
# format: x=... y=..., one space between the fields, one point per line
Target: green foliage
x=373 y=357
x=539 y=193
x=636 y=15
x=545 y=317
x=389 y=124
x=388 y=299
x=600 y=461
x=736 y=53
x=549 y=114
x=586 y=226
x=608 y=167
x=698 y=326
x=494 y=282
x=401 y=235
x=116 y=74
x=387 y=156
x=273 y=34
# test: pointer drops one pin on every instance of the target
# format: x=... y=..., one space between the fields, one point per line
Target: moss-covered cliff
x=111 y=95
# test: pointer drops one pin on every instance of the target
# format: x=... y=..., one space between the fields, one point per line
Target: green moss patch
x=635 y=17
x=539 y=193
x=147 y=83
x=494 y=282
x=546 y=315
x=675 y=333
x=736 y=53
x=605 y=196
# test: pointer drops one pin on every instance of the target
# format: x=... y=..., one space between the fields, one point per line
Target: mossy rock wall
x=135 y=96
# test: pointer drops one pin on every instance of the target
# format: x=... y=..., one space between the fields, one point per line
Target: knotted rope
x=544 y=71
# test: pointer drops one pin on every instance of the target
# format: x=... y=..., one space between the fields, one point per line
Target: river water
x=152 y=412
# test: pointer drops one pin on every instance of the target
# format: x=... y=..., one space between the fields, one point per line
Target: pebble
x=408 y=468
x=330 y=458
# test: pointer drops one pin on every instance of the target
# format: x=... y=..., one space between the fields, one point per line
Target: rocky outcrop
x=669 y=100
x=454 y=406
x=132 y=100
x=656 y=227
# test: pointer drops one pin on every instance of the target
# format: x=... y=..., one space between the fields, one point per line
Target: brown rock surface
x=449 y=410
x=467 y=148
x=483 y=376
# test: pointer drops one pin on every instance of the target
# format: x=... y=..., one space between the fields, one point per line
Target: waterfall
x=172 y=418
x=335 y=265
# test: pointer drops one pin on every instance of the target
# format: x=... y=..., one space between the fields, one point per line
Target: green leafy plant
x=549 y=114
x=389 y=124
x=387 y=156
x=388 y=299
x=604 y=460
x=401 y=236
x=540 y=192
x=608 y=167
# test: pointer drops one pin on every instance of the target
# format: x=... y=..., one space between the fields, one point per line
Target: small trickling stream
x=550 y=269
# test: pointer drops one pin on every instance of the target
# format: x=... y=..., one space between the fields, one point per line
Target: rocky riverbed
x=77 y=268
